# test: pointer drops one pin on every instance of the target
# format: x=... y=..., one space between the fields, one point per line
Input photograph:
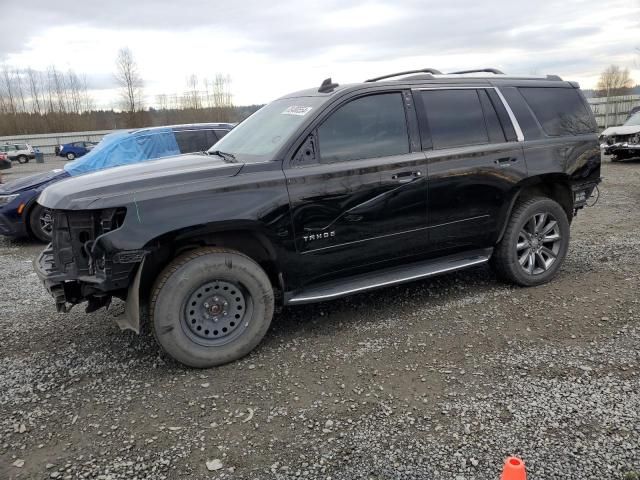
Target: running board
x=390 y=276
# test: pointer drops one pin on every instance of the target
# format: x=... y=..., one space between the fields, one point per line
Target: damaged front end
x=622 y=146
x=79 y=264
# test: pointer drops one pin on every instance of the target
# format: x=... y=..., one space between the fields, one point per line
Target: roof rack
x=432 y=71
x=486 y=70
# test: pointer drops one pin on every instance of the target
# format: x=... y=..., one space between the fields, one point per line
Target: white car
x=624 y=141
x=22 y=152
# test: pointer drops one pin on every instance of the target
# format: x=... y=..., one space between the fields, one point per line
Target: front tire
x=534 y=244
x=71 y=156
x=40 y=223
x=211 y=306
x=22 y=159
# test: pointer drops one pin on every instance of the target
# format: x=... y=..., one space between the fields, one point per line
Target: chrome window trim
x=512 y=117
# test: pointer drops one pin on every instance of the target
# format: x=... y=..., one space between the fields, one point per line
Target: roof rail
x=486 y=70
x=432 y=71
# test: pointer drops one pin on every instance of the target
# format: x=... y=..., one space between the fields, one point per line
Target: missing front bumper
x=69 y=292
x=45 y=267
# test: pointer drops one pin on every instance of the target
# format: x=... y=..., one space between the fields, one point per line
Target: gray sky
x=271 y=48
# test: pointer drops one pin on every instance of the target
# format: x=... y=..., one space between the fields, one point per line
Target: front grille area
x=74 y=234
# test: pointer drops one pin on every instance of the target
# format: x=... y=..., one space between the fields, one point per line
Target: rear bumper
x=582 y=191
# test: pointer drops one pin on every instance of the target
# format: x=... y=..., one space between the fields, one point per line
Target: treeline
x=23 y=123
x=591 y=93
x=53 y=101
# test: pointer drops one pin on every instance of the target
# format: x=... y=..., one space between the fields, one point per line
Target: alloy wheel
x=538 y=243
x=46 y=222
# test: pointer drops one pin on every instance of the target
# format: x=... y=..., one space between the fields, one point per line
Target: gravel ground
x=439 y=379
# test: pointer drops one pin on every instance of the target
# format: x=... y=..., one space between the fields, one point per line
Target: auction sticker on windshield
x=296 y=110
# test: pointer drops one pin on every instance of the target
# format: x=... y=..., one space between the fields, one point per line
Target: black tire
x=71 y=156
x=174 y=324
x=506 y=257
x=23 y=159
x=39 y=226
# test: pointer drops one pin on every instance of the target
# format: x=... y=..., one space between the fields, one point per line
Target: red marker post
x=513 y=469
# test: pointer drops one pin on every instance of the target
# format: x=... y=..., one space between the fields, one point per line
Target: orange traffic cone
x=513 y=469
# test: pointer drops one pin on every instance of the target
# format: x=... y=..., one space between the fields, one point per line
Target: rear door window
x=367 y=127
x=455 y=118
x=194 y=140
x=560 y=111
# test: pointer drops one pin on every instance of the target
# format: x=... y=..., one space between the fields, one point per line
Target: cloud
x=287 y=44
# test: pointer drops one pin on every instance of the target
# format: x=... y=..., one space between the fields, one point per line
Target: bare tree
x=130 y=81
x=162 y=101
x=34 y=79
x=221 y=87
x=193 y=94
x=613 y=81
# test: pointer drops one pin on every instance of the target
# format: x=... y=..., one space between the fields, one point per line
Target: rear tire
x=534 y=244
x=40 y=223
x=211 y=306
x=23 y=159
x=71 y=156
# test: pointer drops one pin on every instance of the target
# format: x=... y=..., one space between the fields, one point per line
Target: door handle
x=398 y=176
x=505 y=161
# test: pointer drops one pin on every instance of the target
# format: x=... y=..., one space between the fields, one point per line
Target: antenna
x=327 y=86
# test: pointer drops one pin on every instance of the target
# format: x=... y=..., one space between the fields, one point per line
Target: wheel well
x=557 y=189
x=250 y=242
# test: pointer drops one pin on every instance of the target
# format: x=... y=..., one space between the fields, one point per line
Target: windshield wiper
x=227 y=157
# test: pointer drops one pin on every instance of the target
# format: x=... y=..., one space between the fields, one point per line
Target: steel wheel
x=539 y=243
x=214 y=313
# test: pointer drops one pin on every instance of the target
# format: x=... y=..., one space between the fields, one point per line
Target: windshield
x=258 y=137
x=634 y=119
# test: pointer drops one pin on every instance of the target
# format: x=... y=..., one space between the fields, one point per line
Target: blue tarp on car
x=123 y=148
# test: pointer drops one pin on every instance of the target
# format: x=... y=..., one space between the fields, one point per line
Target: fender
x=130 y=319
x=507 y=213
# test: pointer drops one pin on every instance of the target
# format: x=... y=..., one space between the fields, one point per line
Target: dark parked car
x=21 y=215
x=71 y=151
x=324 y=193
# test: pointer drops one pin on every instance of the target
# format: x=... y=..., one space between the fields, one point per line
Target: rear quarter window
x=560 y=111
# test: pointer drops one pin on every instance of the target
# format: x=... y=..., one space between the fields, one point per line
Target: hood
x=32 y=181
x=116 y=186
x=621 y=130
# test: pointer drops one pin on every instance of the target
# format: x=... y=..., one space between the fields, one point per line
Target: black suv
x=327 y=192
